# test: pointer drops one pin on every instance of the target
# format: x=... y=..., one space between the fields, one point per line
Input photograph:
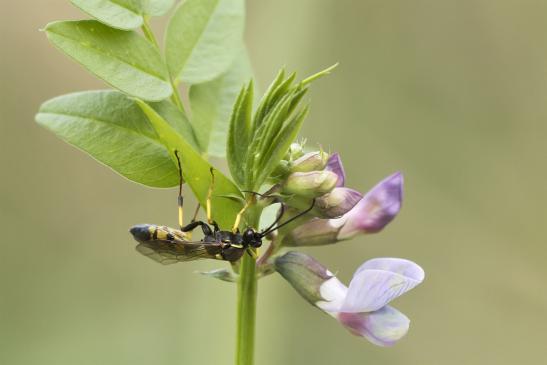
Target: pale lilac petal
x=374 y=287
x=377 y=208
x=334 y=164
x=403 y=267
x=383 y=327
x=333 y=293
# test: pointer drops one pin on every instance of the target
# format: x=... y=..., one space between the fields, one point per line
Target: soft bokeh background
x=453 y=93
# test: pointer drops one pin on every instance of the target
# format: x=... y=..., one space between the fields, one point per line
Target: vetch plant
x=143 y=130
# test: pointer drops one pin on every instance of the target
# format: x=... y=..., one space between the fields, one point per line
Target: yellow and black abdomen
x=152 y=232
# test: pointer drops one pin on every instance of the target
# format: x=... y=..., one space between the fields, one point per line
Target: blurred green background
x=450 y=92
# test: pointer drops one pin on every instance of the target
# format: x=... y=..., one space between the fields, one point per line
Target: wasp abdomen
x=144 y=232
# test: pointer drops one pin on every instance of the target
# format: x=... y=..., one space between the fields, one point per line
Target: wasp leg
x=180 y=197
x=252 y=253
x=209 y=197
x=238 y=217
x=215 y=226
x=193 y=225
x=196 y=212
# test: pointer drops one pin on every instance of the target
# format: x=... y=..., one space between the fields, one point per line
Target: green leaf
x=212 y=104
x=112 y=129
x=123 y=59
x=157 y=7
x=121 y=14
x=177 y=120
x=239 y=135
x=196 y=171
x=203 y=38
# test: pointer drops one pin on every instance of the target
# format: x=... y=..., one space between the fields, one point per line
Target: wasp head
x=251 y=238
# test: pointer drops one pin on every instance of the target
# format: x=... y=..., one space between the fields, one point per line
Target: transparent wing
x=167 y=252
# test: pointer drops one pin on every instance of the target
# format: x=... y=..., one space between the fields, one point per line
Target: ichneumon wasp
x=168 y=246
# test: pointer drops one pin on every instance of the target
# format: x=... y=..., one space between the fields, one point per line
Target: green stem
x=176 y=96
x=246 y=301
x=246 y=311
x=148 y=34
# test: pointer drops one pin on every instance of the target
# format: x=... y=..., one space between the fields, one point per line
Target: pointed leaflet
x=123 y=59
x=281 y=144
x=196 y=171
x=276 y=132
x=239 y=136
x=156 y=7
x=203 y=38
x=267 y=100
x=112 y=129
x=212 y=104
x=177 y=120
x=123 y=14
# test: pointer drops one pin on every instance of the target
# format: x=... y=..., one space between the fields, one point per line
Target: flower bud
x=296 y=150
x=337 y=203
x=316 y=232
x=370 y=215
x=308 y=277
x=281 y=170
x=311 y=161
x=310 y=184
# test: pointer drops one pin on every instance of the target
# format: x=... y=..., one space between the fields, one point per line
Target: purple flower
x=334 y=164
x=363 y=307
x=370 y=215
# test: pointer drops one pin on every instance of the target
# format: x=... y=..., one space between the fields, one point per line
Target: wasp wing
x=168 y=252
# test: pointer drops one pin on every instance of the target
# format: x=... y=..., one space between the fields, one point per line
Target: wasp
x=168 y=245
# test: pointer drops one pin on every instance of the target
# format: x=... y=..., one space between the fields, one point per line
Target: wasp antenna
x=266 y=232
x=252 y=192
x=281 y=212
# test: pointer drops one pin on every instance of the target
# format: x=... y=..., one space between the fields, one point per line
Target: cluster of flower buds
x=340 y=213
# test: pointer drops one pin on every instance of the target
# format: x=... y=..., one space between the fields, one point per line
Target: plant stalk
x=246 y=301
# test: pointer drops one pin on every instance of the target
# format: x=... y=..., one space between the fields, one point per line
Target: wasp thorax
x=251 y=238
